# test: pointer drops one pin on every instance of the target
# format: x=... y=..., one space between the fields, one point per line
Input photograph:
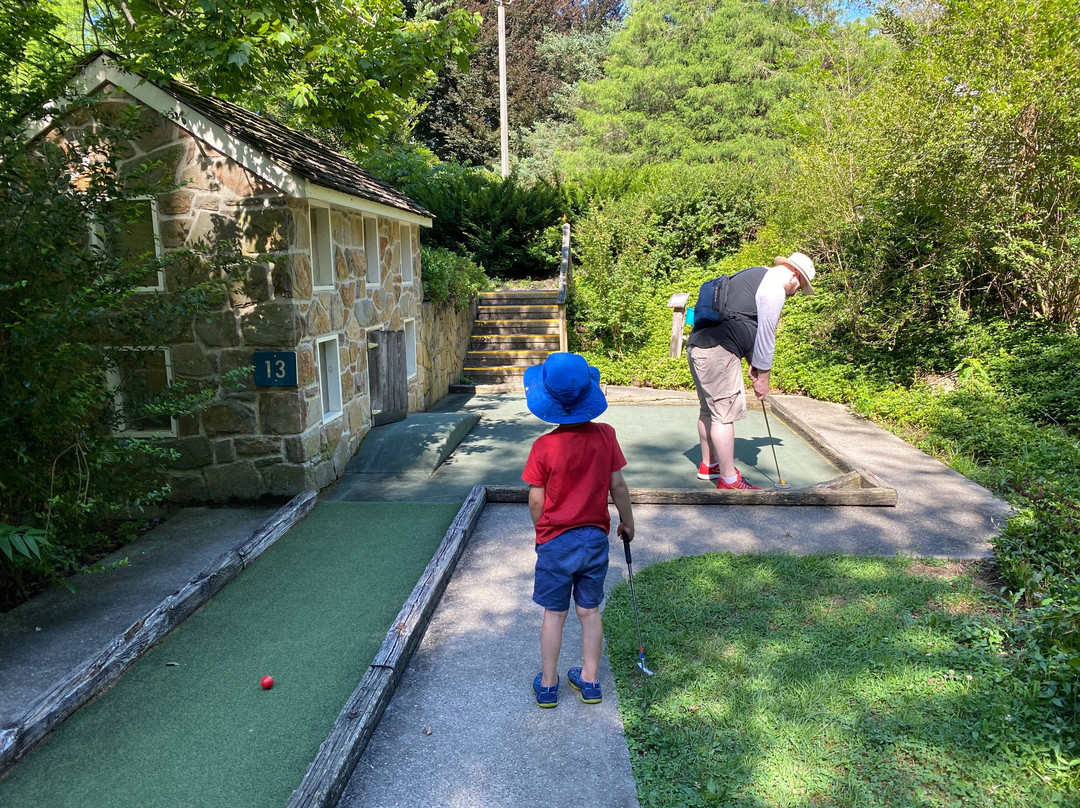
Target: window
x=132 y=234
x=140 y=377
x=410 y=348
x=322 y=248
x=329 y=376
x=371 y=250
x=405 y=245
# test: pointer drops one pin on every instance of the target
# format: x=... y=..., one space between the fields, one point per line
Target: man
x=747 y=330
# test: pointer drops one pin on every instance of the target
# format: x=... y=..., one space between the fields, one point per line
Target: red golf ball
x=267 y=682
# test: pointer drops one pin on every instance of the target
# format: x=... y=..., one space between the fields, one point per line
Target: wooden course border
x=854 y=486
x=329 y=773
x=100 y=671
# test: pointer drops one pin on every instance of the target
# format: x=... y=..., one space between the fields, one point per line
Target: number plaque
x=275 y=368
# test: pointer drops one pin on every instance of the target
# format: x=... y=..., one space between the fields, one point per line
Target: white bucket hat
x=802 y=266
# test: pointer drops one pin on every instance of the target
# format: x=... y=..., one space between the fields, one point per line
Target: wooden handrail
x=564 y=284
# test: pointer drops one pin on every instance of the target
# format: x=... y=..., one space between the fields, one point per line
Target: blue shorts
x=573 y=562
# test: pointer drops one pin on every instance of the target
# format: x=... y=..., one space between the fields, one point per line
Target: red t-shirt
x=573 y=463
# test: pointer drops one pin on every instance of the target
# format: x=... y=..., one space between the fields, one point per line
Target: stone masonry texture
x=256 y=441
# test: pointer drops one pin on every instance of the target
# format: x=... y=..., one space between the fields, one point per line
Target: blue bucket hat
x=564 y=390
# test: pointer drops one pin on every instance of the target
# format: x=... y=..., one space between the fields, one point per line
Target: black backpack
x=711 y=302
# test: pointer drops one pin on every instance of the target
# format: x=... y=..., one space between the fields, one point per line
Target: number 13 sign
x=275 y=368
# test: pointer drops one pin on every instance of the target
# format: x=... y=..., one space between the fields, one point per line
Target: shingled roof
x=293 y=151
x=310 y=158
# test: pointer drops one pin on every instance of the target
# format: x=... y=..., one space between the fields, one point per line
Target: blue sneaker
x=590 y=691
x=546 y=696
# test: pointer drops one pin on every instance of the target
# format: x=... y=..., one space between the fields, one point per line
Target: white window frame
x=98 y=238
x=373 y=261
x=330 y=397
x=115 y=382
x=410 y=348
x=323 y=271
x=408 y=273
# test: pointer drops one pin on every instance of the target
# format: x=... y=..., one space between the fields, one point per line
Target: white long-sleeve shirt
x=770 y=299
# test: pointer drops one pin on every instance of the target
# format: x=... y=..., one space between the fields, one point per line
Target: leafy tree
x=353 y=67
x=508 y=227
x=697 y=83
x=29 y=54
x=461 y=118
x=949 y=185
x=677 y=224
x=70 y=296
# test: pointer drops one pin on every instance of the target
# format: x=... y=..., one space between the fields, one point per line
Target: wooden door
x=388 y=378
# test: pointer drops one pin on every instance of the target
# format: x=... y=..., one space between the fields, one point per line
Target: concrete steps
x=513 y=330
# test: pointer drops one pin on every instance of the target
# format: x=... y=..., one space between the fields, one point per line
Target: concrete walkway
x=463 y=729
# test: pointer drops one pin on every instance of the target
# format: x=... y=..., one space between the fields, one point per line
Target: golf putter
x=781 y=485
x=633 y=599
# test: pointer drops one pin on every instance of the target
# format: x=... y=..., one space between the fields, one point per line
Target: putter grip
x=626 y=547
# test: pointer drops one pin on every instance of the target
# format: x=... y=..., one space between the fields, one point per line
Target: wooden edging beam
x=834 y=492
x=869 y=480
x=329 y=773
x=99 y=672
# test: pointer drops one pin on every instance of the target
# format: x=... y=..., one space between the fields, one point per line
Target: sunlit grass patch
x=829 y=681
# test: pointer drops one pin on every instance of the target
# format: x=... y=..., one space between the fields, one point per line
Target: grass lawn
x=831 y=681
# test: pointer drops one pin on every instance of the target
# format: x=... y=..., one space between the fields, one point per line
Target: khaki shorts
x=718 y=378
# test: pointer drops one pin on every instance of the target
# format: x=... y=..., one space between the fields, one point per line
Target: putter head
x=641 y=663
x=782 y=486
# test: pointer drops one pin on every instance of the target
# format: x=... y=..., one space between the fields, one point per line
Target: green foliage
x=634 y=249
x=26 y=541
x=354 y=67
x=70 y=304
x=1004 y=417
x=29 y=52
x=832 y=680
x=507 y=227
x=460 y=117
x=946 y=178
x=450 y=277
x=1053 y=656
x=695 y=83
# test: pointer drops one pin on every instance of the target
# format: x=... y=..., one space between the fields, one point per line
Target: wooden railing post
x=677 y=304
x=564 y=283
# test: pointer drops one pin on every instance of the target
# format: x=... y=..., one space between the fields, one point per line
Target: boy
x=570 y=472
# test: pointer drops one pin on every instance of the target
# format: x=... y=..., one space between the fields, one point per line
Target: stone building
x=332 y=319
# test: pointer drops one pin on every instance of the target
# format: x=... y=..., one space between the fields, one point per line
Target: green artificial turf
x=189 y=725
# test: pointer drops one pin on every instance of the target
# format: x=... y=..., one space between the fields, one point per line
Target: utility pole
x=504 y=139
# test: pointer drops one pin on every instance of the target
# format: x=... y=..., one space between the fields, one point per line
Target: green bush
x=634 y=250
x=450 y=277
x=508 y=227
x=66 y=479
x=997 y=421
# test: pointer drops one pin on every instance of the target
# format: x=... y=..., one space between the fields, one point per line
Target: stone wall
x=252 y=441
x=447 y=331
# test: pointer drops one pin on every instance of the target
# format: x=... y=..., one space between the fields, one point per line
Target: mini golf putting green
x=189 y=724
x=659 y=440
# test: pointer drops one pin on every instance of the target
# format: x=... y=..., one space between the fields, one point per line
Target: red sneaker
x=739 y=483
x=708 y=472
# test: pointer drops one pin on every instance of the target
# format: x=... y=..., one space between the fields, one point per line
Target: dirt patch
x=982 y=571
x=983 y=574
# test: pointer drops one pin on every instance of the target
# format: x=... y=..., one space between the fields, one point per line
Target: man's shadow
x=747 y=451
